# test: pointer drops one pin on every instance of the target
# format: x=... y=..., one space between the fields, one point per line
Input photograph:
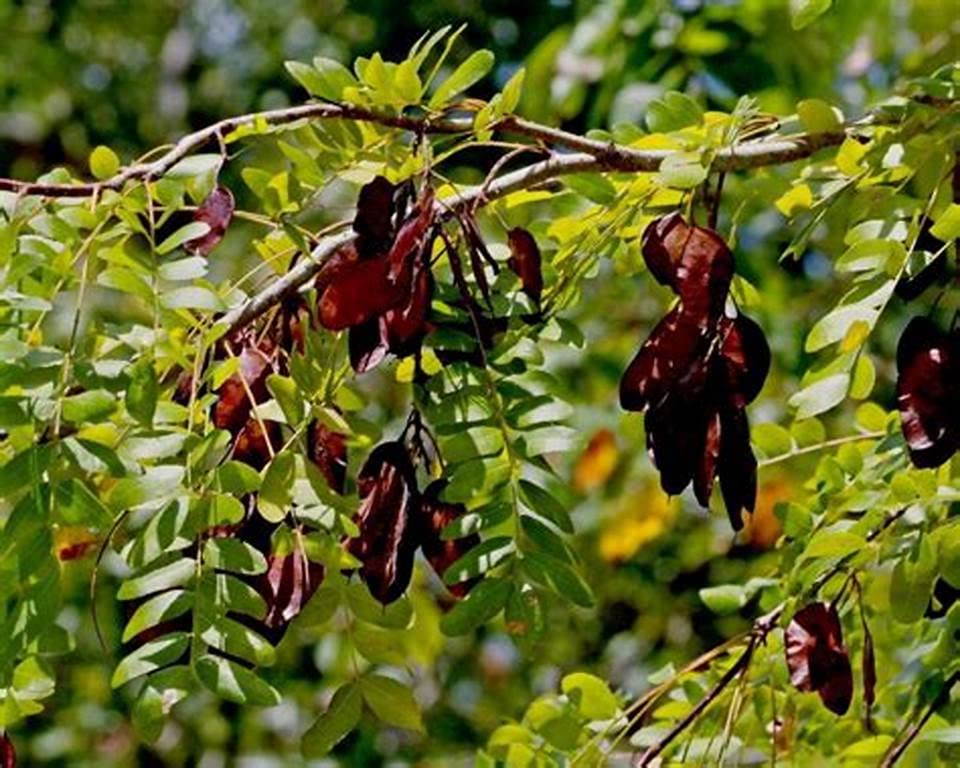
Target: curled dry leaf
x=328 y=450
x=215 y=211
x=928 y=365
x=525 y=262
x=436 y=515
x=388 y=521
x=816 y=657
x=697 y=371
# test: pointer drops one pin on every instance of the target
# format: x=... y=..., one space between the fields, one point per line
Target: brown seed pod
x=436 y=515
x=216 y=211
x=817 y=658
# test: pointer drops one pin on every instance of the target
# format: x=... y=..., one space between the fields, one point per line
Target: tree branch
x=612 y=156
x=523 y=178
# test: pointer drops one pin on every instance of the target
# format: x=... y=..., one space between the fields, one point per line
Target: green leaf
x=288 y=396
x=672 y=112
x=142 y=393
x=682 y=170
x=341 y=717
x=233 y=555
x=469 y=72
x=545 y=505
x=276 y=491
x=481 y=604
x=725 y=598
x=150 y=657
x=947 y=225
x=805 y=12
x=821 y=396
x=237 y=478
x=864 y=377
x=510 y=95
x=162 y=607
x=771 y=439
x=591 y=696
x=828 y=543
x=169 y=575
x=912 y=584
x=104 y=162
x=486 y=555
x=232 y=682
x=559 y=577
x=94 y=405
x=817 y=116
x=187 y=232
x=391 y=701
x=593 y=186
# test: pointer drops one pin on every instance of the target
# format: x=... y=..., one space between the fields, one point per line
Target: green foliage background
x=135 y=75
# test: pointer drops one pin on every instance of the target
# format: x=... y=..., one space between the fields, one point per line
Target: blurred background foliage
x=74 y=74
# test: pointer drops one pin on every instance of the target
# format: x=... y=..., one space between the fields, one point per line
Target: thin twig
x=899 y=747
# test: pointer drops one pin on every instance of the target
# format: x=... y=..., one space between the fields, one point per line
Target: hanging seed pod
x=817 y=658
x=327 y=449
x=388 y=521
x=216 y=211
x=525 y=262
x=441 y=553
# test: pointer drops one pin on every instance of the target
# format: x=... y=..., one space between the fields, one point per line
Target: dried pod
x=287 y=587
x=746 y=358
x=8 y=755
x=436 y=515
x=661 y=245
x=255 y=448
x=817 y=658
x=388 y=521
x=328 y=450
x=928 y=365
x=736 y=466
x=367 y=345
x=525 y=262
x=233 y=405
x=404 y=327
x=215 y=211
x=373 y=221
x=358 y=291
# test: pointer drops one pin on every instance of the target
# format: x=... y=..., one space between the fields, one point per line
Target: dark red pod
x=388 y=521
x=373 y=221
x=327 y=449
x=746 y=358
x=254 y=447
x=287 y=587
x=233 y=405
x=216 y=211
x=928 y=365
x=816 y=657
x=525 y=262
x=661 y=245
x=8 y=755
x=436 y=515
x=360 y=290
x=404 y=327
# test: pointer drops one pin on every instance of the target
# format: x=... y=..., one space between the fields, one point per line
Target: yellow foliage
x=644 y=516
x=597 y=462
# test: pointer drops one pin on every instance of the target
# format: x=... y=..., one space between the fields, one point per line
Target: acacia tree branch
x=612 y=156
x=524 y=178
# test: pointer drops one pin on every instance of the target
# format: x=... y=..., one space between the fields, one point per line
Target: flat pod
x=327 y=449
x=233 y=405
x=525 y=262
x=367 y=345
x=253 y=447
x=436 y=515
x=404 y=327
x=388 y=521
x=736 y=465
x=8 y=755
x=675 y=346
x=287 y=586
x=358 y=291
x=373 y=221
x=704 y=273
x=662 y=245
x=816 y=657
x=928 y=364
x=746 y=357
x=216 y=211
